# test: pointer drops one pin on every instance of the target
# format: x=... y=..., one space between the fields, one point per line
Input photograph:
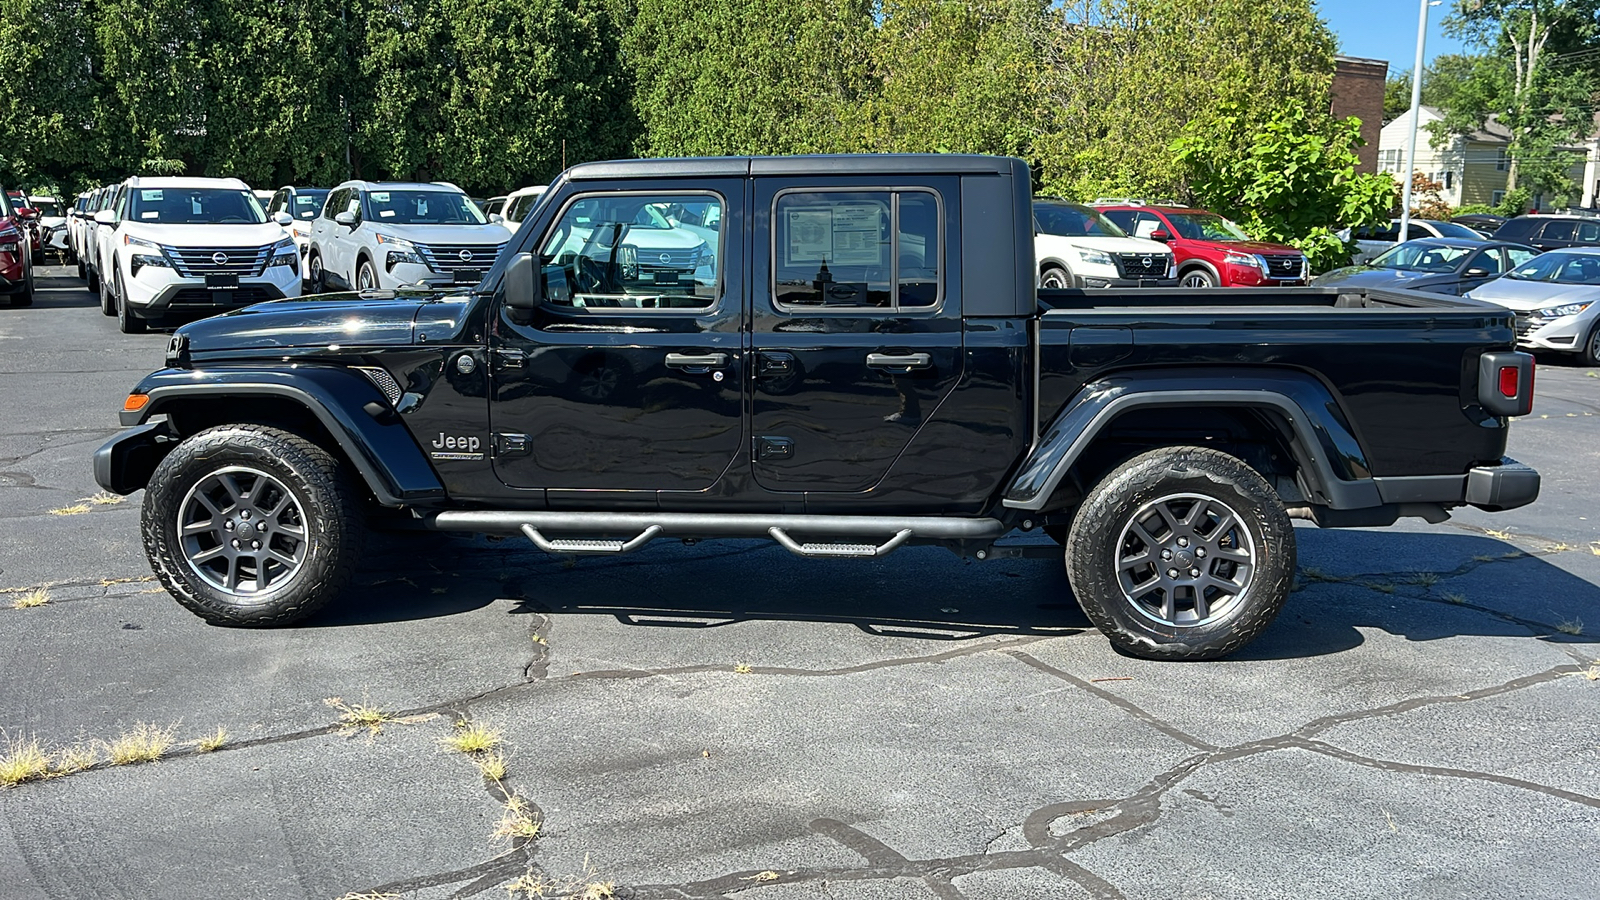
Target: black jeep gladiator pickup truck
x=845 y=355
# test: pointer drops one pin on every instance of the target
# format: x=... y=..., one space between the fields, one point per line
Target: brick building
x=1358 y=91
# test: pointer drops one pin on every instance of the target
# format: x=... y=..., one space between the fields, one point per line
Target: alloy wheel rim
x=365 y=278
x=1184 y=560
x=242 y=532
x=1196 y=281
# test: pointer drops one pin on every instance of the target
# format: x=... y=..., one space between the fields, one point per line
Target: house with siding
x=1472 y=167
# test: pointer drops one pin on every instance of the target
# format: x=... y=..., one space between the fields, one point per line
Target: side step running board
x=839 y=551
x=590 y=545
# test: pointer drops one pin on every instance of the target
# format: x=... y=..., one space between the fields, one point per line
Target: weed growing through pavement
x=1425 y=579
x=213 y=741
x=35 y=597
x=536 y=885
x=1573 y=626
x=1457 y=599
x=73 y=510
x=763 y=877
x=491 y=766
x=473 y=737
x=143 y=743
x=1595 y=548
x=104 y=498
x=742 y=669
x=517 y=821
x=73 y=759
x=1593 y=674
x=353 y=717
x=24 y=760
x=1497 y=535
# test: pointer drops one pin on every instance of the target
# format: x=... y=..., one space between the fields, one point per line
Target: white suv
x=381 y=236
x=521 y=202
x=1077 y=247
x=188 y=248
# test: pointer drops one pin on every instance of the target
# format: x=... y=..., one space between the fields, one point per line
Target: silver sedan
x=1556 y=297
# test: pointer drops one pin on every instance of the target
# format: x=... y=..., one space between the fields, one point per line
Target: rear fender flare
x=380 y=448
x=1324 y=446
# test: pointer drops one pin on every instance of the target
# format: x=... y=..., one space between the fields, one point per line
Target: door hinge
x=508 y=358
x=773 y=448
x=511 y=445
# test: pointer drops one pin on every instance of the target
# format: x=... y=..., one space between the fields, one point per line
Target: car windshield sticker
x=150 y=214
x=380 y=196
x=154 y=196
x=844 y=234
x=194 y=204
x=385 y=213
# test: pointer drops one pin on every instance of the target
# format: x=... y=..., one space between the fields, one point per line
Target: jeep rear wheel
x=1181 y=553
x=251 y=526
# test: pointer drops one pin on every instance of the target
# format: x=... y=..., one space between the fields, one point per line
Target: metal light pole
x=1416 y=113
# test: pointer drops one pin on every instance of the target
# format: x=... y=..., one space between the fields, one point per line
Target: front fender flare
x=1324 y=446
x=380 y=448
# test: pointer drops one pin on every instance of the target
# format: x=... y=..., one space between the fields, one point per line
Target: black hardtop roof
x=823 y=164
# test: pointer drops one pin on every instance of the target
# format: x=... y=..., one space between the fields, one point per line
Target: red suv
x=1211 y=251
x=16 y=258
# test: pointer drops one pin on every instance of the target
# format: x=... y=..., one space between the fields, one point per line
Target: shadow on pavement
x=926 y=594
x=61 y=289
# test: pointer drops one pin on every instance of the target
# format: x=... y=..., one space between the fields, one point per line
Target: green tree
x=1443 y=80
x=52 y=104
x=1538 y=79
x=1295 y=183
x=157 y=60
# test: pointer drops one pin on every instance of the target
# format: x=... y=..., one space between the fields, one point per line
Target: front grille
x=1528 y=324
x=675 y=260
x=1285 y=266
x=244 y=295
x=448 y=257
x=194 y=262
x=1144 y=265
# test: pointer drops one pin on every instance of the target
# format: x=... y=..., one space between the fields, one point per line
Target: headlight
x=132 y=241
x=140 y=260
x=285 y=254
x=1241 y=259
x=1094 y=257
x=394 y=243
x=401 y=252
x=1571 y=309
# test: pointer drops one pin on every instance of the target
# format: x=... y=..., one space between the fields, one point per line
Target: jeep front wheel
x=251 y=526
x=1181 y=553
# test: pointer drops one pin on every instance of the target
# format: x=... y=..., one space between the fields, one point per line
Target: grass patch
x=31 y=599
x=742 y=669
x=1595 y=548
x=1312 y=573
x=763 y=877
x=143 y=743
x=73 y=510
x=1457 y=599
x=353 y=717
x=588 y=886
x=24 y=760
x=517 y=822
x=1425 y=579
x=1481 y=557
x=74 y=759
x=212 y=742
x=104 y=498
x=1593 y=673
x=492 y=766
x=473 y=737
x=1382 y=587
x=1572 y=626
x=1497 y=535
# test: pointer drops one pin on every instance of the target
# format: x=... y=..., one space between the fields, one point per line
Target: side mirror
x=1476 y=272
x=522 y=289
x=106 y=217
x=1162 y=235
x=282 y=218
x=496 y=218
x=346 y=218
x=27 y=212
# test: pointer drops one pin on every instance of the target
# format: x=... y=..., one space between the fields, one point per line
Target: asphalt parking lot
x=726 y=720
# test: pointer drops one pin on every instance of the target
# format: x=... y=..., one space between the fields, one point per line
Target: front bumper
x=1565 y=334
x=125 y=463
x=155 y=291
x=404 y=275
x=1095 y=281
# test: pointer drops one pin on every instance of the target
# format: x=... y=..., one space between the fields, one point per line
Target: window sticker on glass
x=150 y=214
x=154 y=196
x=194 y=204
x=385 y=213
x=380 y=196
x=841 y=234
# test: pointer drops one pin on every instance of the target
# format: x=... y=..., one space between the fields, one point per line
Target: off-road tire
x=1055 y=278
x=334 y=528
x=1094 y=543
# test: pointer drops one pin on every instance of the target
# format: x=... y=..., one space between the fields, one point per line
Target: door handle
x=895 y=361
x=697 y=360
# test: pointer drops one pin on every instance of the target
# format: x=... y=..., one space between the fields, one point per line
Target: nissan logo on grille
x=1145 y=261
x=666 y=258
x=219 y=258
x=466 y=255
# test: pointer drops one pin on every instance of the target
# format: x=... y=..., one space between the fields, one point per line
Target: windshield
x=518 y=208
x=422 y=207
x=1560 y=268
x=1205 y=227
x=47 y=208
x=1416 y=256
x=1072 y=220
x=195 y=206
x=1452 y=230
x=307 y=203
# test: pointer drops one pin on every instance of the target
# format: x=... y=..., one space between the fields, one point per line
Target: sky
x=1386 y=29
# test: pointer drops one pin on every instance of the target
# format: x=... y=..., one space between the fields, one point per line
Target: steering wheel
x=591 y=277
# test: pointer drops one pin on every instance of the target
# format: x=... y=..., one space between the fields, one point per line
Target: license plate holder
x=468 y=276
x=222 y=282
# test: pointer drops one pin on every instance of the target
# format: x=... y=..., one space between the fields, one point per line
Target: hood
x=378 y=318
x=205 y=235
x=643 y=239
x=444 y=234
x=1140 y=246
x=1374 y=276
x=1261 y=247
x=1520 y=295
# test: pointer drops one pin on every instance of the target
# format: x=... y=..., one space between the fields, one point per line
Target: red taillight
x=1510 y=380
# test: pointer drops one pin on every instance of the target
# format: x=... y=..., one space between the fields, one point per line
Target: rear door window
x=1558 y=230
x=838 y=250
